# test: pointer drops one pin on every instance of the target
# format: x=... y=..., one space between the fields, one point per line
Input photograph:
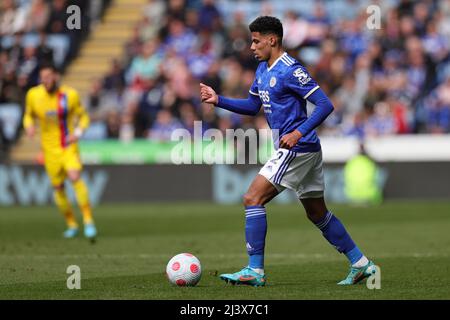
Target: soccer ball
x=184 y=270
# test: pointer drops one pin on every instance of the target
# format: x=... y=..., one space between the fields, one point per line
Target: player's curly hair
x=267 y=25
x=45 y=64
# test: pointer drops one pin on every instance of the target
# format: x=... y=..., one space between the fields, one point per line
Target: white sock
x=257 y=270
x=361 y=262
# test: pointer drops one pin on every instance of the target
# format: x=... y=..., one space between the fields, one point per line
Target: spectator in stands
x=148 y=107
x=347 y=96
x=209 y=17
x=58 y=17
x=356 y=126
x=13 y=19
x=318 y=25
x=15 y=52
x=180 y=39
x=295 y=30
x=436 y=45
x=176 y=9
x=146 y=65
x=94 y=100
x=438 y=109
x=178 y=77
x=337 y=72
x=164 y=125
x=201 y=58
x=401 y=113
x=8 y=85
x=134 y=46
x=38 y=16
x=115 y=78
x=353 y=41
x=417 y=74
x=155 y=12
x=381 y=122
x=421 y=15
x=15 y=89
x=188 y=117
x=44 y=53
x=237 y=35
x=29 y=65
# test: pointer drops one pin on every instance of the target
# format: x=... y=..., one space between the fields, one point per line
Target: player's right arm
x=28 y=117
x=249 y=106
x=300 y=82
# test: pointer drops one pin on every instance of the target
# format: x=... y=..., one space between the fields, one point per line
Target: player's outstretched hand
x=72 y=139
x=208 y=95
x=290 y=140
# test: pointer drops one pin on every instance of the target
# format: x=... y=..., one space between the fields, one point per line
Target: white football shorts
x=300 y=172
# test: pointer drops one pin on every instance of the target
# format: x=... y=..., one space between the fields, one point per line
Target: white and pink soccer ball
x=184 y=270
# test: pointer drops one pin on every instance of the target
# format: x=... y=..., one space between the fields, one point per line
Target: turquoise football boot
x=358 y=274
x=90 y=231
x=70 y=233
x=246 y=277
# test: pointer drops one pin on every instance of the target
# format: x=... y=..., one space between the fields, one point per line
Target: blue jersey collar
x=276 y=61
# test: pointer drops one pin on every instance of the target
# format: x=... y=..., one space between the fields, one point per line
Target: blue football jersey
x=283 y=89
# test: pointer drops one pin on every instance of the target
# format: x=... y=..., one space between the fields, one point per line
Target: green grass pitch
x=410 y=241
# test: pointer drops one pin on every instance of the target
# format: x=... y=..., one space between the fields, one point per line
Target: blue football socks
x=255 y=235
x=334 y=231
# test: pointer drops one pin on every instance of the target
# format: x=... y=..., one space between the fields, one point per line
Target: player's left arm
x=323 y=109
x=82 y=118
x=302 y=84
x=28 y=116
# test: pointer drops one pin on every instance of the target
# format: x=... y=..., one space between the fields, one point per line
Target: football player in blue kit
x=282 y=87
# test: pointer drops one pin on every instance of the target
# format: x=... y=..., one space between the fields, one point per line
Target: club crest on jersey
x=273 y=82
x=51 y=114
x=302 y=76
x=259 y=80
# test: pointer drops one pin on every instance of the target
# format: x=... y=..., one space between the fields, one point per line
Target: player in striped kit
x=62 y=120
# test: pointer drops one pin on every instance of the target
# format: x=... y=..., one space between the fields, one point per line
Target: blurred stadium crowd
x=391 y=80
x=33 y=32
